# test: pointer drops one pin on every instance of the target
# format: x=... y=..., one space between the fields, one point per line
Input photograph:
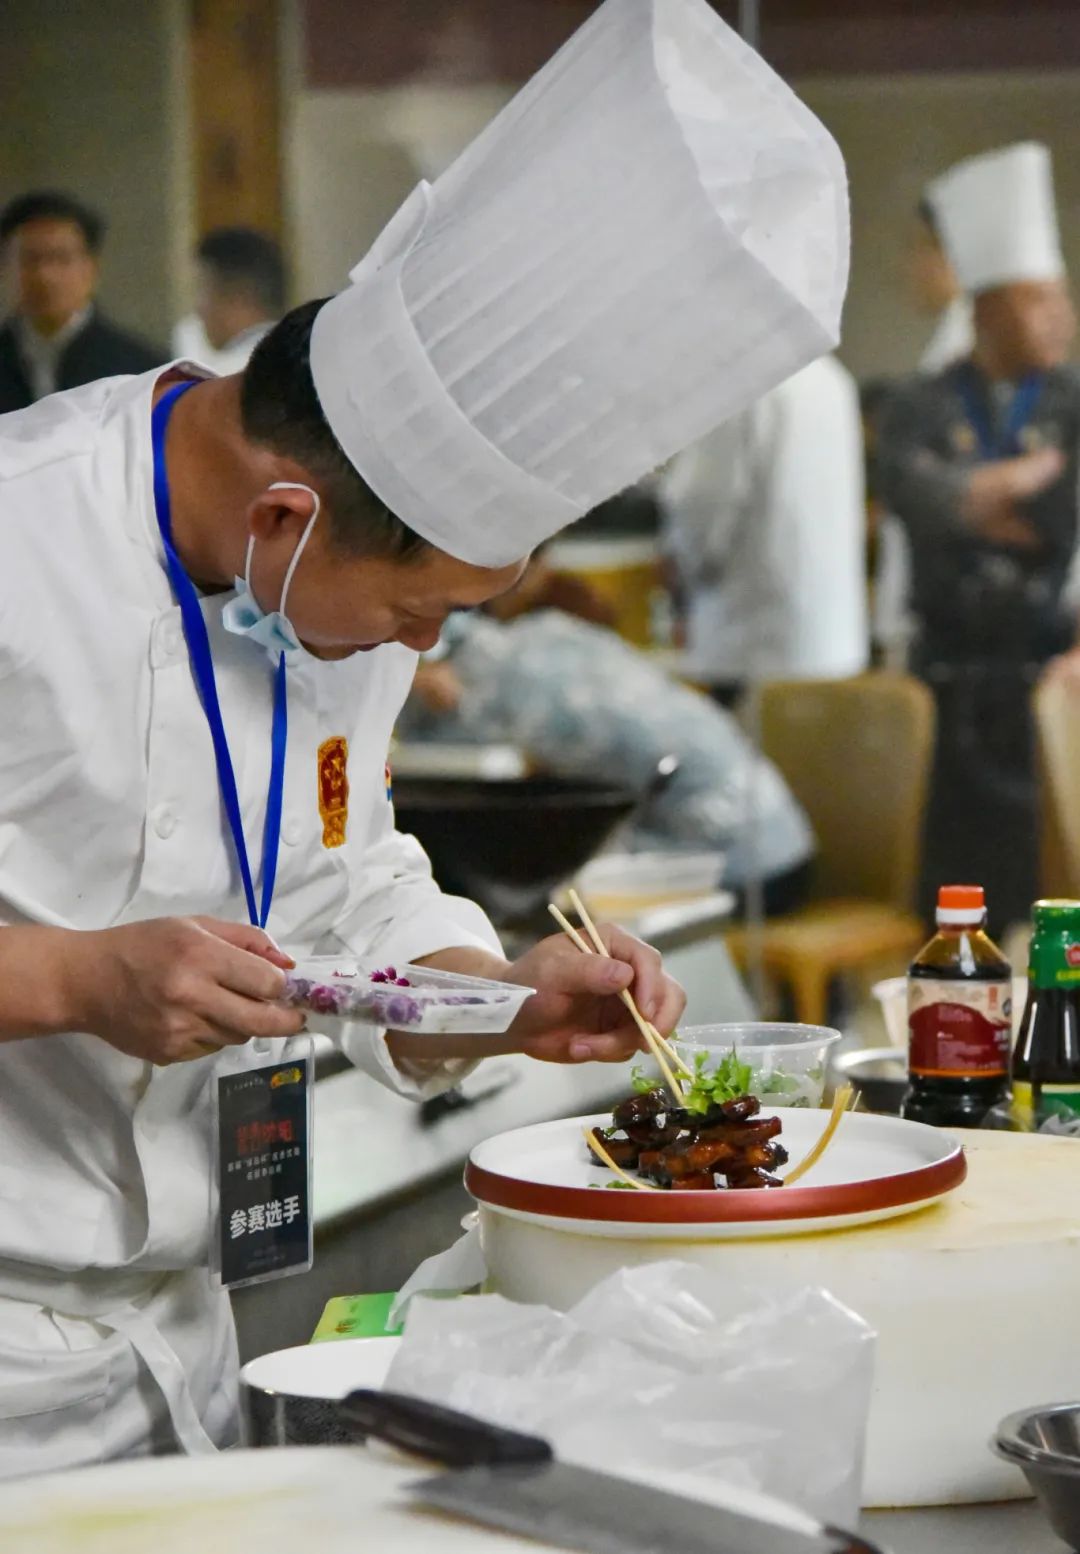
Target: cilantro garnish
x=726 y=1082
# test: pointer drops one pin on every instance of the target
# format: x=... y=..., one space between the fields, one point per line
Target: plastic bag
x=662 y=1373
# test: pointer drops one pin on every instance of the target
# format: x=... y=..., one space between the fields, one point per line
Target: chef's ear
x=281 y=510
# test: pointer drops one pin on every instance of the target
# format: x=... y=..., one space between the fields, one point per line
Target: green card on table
x=356 y=1316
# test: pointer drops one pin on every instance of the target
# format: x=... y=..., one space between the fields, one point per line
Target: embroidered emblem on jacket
x=334 y=789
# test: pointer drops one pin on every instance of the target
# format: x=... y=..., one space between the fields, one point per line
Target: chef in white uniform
x=524 y=339
x=765 y=520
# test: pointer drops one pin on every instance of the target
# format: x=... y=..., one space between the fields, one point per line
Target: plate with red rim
x=875 y=1168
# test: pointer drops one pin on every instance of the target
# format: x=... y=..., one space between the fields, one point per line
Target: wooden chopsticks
x=661 y=1049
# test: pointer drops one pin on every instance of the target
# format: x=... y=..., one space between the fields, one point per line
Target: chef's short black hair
x=280 y=410
x=928 y=215
x=52 y=205
x=245 y=261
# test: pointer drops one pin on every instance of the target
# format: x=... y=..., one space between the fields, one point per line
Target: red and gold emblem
x=334 y=789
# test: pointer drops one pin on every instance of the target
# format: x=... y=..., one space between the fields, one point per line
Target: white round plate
x=875 y=1168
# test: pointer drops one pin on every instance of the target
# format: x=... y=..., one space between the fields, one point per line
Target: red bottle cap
x=962 y=898
x=961 y=904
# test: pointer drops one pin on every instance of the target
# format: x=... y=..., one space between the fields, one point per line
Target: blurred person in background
x=240 y=295
x=980 y=463
x=936 y=292
x=582 y=702
x=765 y=525
x=56 y=337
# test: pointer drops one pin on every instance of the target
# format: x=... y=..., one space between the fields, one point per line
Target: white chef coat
x=190 y=342
x=766 y=521
x=109 y=814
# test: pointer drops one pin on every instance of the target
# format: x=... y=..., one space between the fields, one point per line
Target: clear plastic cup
x=787 y=1063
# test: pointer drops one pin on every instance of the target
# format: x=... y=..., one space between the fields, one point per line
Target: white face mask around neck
x=245 y=617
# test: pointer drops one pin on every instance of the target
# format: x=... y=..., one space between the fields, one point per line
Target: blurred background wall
x=313 y=118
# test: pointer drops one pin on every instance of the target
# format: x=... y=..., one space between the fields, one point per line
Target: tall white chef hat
x=652 y=234
x=997 y=217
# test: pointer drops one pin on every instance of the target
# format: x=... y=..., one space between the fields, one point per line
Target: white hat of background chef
x=997 y=217
x=652 y=234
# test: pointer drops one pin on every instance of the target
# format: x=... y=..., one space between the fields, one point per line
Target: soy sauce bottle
x=1046 y=1063
x=959 y=1017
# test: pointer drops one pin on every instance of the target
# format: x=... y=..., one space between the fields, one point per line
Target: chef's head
x=50 y=246
x=997 y=216
x=239 y=282
x=492 y=376
x=364 y=577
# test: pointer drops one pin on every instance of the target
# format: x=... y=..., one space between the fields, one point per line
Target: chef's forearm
x=469 y=961
x=37 y=981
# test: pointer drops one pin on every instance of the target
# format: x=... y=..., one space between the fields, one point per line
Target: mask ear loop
x=288 y=485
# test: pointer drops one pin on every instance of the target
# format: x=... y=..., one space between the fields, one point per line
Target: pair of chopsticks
x=667 y=1059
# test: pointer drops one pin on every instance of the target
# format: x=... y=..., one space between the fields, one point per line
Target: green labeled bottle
x=1046 y=1059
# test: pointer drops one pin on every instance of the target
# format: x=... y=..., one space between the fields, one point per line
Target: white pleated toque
x=652 y=234
x=997 y=217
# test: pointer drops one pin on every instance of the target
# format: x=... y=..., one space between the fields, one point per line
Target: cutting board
x=333 y=1500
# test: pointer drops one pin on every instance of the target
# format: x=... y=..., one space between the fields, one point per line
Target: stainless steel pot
x=290 y=1397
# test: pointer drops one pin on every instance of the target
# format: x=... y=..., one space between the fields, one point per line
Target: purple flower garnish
x=401 y=1010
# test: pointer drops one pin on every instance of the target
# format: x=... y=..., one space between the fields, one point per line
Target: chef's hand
x=577 y=1014
x=176 y=988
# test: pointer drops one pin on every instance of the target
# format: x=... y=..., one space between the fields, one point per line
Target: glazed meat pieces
x=730 y=1145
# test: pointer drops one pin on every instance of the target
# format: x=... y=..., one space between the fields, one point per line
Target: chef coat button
x=164 y=822
x=171 y=639
x=290 y=830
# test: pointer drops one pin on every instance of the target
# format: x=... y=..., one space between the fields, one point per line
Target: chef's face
x=341 y=603
x=53 y=273
x=1030 y=324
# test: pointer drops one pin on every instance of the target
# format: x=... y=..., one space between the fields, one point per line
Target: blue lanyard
x=202 y=667
x=1020 y=412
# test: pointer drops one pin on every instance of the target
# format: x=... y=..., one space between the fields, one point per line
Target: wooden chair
x=856 y=754
x=1056 y=702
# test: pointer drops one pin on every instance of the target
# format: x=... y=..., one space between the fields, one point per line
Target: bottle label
x=1054 y=958
x=959 y=1030
x=1031 y=1105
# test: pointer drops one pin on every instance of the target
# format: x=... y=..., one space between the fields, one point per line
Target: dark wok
x=508 y=844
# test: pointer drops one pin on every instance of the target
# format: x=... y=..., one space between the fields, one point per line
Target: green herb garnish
x=727 y=1081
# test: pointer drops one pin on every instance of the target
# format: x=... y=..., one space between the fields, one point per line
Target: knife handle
x=441 y=1434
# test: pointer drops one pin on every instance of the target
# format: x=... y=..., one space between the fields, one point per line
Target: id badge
x=261 y=1213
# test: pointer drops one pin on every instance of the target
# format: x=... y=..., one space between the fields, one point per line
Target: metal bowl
x=291 y=1397
x=1044 y=1443
x=879 y=1075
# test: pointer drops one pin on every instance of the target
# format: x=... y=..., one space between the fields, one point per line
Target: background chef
x=386 y=457
x=979 y=462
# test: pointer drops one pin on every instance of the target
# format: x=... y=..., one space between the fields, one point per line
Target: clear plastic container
x=787 y=1062
x=404 y=998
